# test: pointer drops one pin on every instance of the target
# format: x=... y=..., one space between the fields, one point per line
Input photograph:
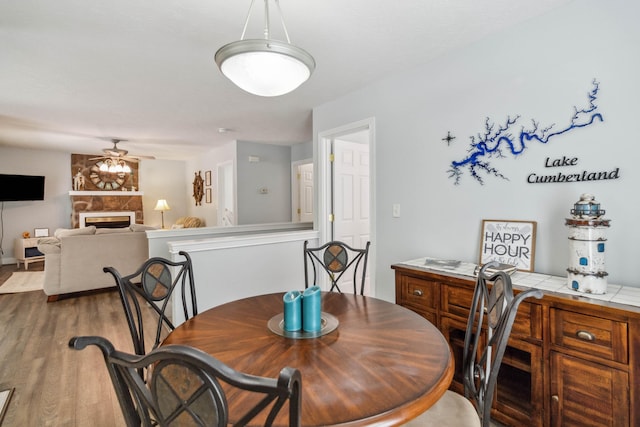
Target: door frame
x=322 y=171
x=222 y=185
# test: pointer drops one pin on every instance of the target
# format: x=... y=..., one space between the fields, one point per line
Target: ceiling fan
x=118 y=153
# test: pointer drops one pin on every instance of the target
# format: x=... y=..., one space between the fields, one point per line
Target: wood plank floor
x=55 y=385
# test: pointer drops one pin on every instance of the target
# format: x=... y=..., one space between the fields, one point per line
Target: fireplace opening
x=108 y=222
x=107 y=219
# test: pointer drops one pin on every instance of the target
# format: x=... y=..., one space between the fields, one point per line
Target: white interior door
x=302 y=193
x=351 y=207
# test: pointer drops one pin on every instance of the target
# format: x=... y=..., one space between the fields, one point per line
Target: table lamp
x=162 y=206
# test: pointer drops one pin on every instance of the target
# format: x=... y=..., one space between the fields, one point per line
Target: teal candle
x=292 y=311
x=311 y=309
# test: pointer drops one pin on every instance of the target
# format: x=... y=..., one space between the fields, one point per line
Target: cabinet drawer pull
x=417 y=292
x=555 y=398
x=585 y=335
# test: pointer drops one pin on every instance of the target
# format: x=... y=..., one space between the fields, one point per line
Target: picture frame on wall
x=207 y=197
x=207 y=179
x=511 y=242
x=41 y=232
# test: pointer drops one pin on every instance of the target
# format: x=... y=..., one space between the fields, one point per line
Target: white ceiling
x=76 y=72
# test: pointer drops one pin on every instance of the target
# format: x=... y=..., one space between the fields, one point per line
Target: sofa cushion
x=65 y=232
x=113 y=230
x=142 y=227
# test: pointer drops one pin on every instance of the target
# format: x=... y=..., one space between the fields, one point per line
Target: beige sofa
x=74 y=258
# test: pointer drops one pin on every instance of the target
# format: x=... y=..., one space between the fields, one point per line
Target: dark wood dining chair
x=491 y=317
x=335 y=258
x=185 y=387
x=155 y=283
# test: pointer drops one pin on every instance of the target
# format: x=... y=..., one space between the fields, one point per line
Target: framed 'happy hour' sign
x=508 y=242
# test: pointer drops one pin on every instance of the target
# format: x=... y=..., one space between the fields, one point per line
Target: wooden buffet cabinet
x=571 y=360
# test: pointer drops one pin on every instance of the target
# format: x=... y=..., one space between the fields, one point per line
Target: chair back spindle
x=335 y=258
x=154 y=284
x=492 y=314
x=186 y=388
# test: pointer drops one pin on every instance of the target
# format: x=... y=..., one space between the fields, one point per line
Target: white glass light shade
x=265 y=67
x=115 y=166
x=162 y=205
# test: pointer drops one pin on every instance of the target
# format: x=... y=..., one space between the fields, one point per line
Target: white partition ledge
x=228 y=268
x=159 y=239
x=240 y=241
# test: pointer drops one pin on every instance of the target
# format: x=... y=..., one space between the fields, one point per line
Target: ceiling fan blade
x=120 y=153
x=134 y=157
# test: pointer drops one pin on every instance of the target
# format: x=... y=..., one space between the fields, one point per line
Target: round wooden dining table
x=382 y=365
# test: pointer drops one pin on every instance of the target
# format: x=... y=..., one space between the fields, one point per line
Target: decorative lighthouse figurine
x=587 y=237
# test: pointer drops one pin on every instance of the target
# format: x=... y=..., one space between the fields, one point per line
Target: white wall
x=163 y=179
x=540 y=70
x=52 y=212
x=272 y=172
x=208 y=162
x=302 y=151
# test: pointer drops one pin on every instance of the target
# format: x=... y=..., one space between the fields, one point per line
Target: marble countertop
x=628 y=295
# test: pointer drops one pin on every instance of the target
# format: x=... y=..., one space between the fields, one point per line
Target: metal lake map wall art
x=500 y=141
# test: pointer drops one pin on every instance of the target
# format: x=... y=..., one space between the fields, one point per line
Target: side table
x=26 y=251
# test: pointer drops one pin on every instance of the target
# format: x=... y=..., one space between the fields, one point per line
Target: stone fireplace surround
x=106 y=203
x=93 y=195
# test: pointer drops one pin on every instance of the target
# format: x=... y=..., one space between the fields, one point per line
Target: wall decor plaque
x=510 y=242
x=198 y=188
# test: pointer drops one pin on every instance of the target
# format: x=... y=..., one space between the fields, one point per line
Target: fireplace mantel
x=106 y=193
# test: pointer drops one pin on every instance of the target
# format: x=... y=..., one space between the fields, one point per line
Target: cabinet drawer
x=419 y=293
x=456 y=300
x=597 y=336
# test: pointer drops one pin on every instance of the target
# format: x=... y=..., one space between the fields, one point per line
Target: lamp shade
x=162 y=205
x=265 y=67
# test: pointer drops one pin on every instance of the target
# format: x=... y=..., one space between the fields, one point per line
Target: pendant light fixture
x=265 y=67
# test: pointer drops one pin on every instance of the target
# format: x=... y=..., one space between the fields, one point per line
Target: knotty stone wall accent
x=105 y=204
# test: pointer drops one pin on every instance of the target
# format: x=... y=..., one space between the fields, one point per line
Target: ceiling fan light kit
x=115 y=166
x=265 y=67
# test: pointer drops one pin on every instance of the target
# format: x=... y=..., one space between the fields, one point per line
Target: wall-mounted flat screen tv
x=15 y=188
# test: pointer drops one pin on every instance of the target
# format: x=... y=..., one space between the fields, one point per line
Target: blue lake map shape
x=497 y=140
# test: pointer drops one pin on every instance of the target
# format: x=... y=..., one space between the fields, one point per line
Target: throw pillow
x=142 y=227
x=65 y=232
x=113 y=230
